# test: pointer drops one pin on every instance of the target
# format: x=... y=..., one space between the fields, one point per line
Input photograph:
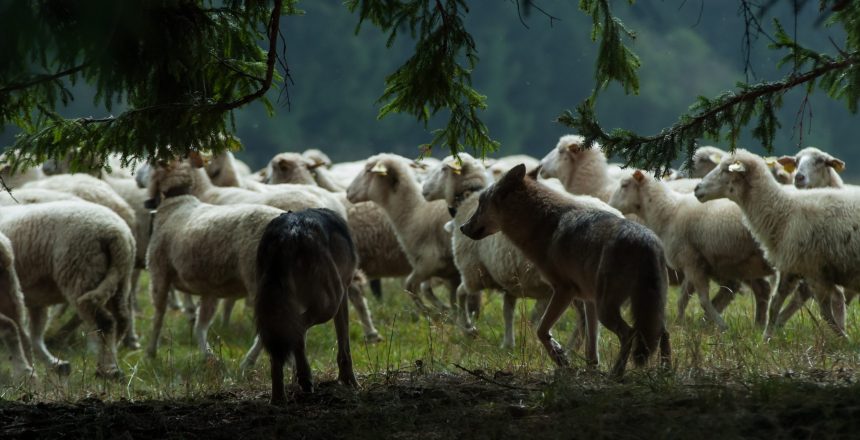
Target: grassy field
x=429 y=370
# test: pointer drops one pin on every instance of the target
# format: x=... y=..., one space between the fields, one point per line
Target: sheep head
x=628 y=197
x=813 y=168
x=730 y=179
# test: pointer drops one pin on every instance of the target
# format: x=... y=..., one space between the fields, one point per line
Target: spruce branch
x=732 y=109
x=41 y=79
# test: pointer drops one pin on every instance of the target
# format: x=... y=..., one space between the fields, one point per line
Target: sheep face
x=706 y=159
x=566 y=158
x=317 y=157
x=377 y=180
x=727 y=180
x=627 y=198
x=485 y=221
x=815 y=168
x=291 y=168
x=453 y=177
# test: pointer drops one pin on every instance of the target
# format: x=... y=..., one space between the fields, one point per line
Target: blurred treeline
x=531 y=70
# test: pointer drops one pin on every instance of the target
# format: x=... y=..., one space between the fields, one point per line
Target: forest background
x=532 y=67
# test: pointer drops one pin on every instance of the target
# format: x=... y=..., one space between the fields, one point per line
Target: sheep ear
x=456 y=167
x=313 y=164
x=380 y=169
x=836 y=164
x=283 y=164
x=573 y=148
x=788 y=163
x=639 y=175
x=715 y=157
x=737 y=167
x=196 y=159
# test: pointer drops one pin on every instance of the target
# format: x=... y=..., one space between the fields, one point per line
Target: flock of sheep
x=784 y=228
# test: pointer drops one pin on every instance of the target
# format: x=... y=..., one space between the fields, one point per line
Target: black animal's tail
x=648 y=304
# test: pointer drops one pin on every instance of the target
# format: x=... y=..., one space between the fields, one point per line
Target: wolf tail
x=648 y=306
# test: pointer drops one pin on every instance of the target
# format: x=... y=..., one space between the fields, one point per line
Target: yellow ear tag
x=737 y=167
x=380 y=169
x=455 y=168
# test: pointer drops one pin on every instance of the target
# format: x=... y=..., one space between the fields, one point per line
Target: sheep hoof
x=373 y=338
x=63 y=368
x=112 y=373
x=471 y=332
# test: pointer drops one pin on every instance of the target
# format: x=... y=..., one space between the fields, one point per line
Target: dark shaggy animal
x=305 y=261
x=583 y=254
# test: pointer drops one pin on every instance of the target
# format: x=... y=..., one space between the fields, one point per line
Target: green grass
x=805 y=350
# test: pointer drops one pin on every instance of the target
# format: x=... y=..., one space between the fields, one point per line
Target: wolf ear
x=533 y=174
x=516 y=174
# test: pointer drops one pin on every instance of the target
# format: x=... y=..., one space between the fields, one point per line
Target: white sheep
x=225 y=170
x=388 y=181
x=287 y=196
x=814 y=234
x=706 y=158
x=76 y=252
x=502 y=165
x=12 y=330
x=90 y=189
x=19 y=177
x=703 y=241
x=585 y=171
x=814 y=168
x=203 y=249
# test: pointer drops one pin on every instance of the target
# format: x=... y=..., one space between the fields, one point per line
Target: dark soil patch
x=446 y=406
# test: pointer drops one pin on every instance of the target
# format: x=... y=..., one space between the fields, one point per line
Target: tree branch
x=42 y=78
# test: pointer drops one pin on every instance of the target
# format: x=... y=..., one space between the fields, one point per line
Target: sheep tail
x=648 y=306
x=120 y=262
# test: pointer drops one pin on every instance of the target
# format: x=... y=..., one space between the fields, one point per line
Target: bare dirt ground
x=445 y=406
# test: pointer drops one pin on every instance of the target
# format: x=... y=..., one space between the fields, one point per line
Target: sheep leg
x=579 y=332
x=189 y=306
x=725 y=295
x=38 y=322
x=798 y=300
x=427 y=291
x=15 y=337
x=684 y=298
x=412 y=286
x=205 y=314
x=464 y=318
x=356 y=297
x=133 y=303
x=106 y=326
x=508 y=309
x=345 y=373
x=158 y=291
x=538 y=310
x=253 y=353
x=785 y=286
x=120 y=308
x=761 y=291
x=703 y=288
x=832 y=303
x=227 y=305
x=559 y=302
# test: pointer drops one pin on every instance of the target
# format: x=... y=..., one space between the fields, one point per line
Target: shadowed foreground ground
x=573 y=405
